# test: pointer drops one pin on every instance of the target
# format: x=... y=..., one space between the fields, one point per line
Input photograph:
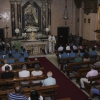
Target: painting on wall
x=31 y=16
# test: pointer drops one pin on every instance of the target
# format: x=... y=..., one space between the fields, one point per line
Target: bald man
x=50 y=80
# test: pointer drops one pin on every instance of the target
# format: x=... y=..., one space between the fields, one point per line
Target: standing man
x=2 y=45
x=52 y=42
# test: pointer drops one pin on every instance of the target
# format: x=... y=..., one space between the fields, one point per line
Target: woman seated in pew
x=6 y=64
x=71 y=55
x=93 y=53
x=36 y=62
x=34 y=95
x=7 y=74
x=37 y=72
x=91 y=73
x=10 y=60
x=86 y=57
x=27 y=60
x=21 y=59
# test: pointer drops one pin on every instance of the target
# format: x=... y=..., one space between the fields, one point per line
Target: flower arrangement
x=31 y=29
x=17 y=30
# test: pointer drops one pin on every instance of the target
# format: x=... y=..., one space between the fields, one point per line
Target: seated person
x=92 y=72
x=27 y=60
x=7 y=74
x=93 y=53
x=21 y=59
x=4 y=51
x=81 y=52
x=6 y=56
x=67 y=48
x=16 y=55
x=13 y=50
x=1 y=57
x=50 y=80
x=60 y=48
x=36 y=62
x=71 y=55
x=6 y=64
x=25 y=53
x=77 y=59
x=21 y=50
x=75 y=48
x=10 y=60
x=16 y=95
x=94 y=91
x=97 y=64
x=24 y=73
x=34 y=95
x=37 y=72
x=86 y=57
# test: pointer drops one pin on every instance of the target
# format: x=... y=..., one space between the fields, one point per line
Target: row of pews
x=7 y=85
x=81 y=72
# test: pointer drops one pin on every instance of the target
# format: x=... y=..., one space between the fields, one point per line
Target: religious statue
x=32 y=36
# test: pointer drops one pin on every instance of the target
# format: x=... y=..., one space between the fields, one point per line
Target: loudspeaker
x=62 y=36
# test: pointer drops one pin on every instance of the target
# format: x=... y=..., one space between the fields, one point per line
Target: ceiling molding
x=90 y=6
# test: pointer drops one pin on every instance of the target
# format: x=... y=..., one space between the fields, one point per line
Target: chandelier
x=65 y=16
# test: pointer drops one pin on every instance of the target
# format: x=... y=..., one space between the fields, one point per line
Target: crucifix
x=6 y=31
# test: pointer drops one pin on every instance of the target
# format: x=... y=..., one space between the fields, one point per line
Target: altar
x=34 y=46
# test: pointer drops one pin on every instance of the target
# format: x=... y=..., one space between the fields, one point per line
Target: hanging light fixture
x=65 y=16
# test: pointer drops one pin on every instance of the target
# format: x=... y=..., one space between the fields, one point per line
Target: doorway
x=2 y=34
x=62 y=36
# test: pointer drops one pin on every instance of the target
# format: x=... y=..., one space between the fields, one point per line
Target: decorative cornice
x=78 y=3
x=90 y=6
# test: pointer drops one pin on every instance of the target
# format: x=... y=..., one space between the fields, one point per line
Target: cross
x=6 y=31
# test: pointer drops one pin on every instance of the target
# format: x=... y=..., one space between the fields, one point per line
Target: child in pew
x=34 y=95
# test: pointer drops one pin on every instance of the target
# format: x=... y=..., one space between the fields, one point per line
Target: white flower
x=16 y=30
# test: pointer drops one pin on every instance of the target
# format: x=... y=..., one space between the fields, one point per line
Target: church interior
x=31 y=23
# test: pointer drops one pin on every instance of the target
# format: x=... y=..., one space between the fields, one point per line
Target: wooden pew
x=69 y=59
x=6 y=82
x=45 y=91
x=18 y=64
x=89 y=85
x=70 y=66
x=81 y=73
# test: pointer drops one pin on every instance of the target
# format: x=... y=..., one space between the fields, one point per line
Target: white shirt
x=3 y=67
x=24 y=73
x=92 y=73
x=68 y=48
x=36 y=73
x=60 y=48
x=41 y=98
x=52 y=38
x=49 y=81
x=74 y=47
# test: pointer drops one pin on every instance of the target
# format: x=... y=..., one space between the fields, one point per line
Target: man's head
x=5 y=62
x=49 y=74
x=18 y=89
x=51 y=34
x=92 y=66
x=7 y=68
x=24 y=67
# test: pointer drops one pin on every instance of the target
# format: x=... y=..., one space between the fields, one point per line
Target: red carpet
x=66 y=87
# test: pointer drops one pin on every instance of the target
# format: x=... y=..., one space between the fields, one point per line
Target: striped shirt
x=14 y=96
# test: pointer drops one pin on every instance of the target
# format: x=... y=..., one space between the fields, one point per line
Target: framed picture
x=84 y=20
x=88 y=20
